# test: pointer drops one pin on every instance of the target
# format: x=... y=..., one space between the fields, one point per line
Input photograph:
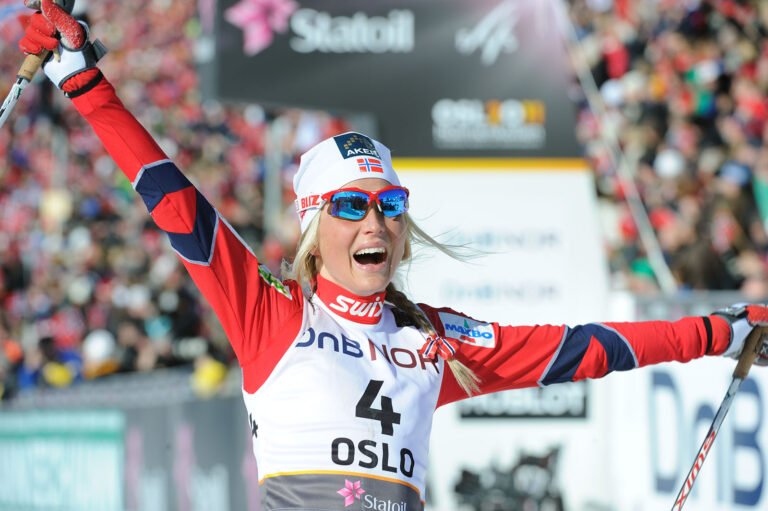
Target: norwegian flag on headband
x=369 y=165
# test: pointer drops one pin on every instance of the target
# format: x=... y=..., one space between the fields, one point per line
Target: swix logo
x=694 y=473
x=492 y=35
x=468 y=330
x=348 y=306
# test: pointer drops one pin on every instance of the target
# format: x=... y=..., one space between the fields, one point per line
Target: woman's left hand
x=743 y=318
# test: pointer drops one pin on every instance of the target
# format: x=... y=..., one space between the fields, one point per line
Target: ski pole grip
x=750 y=352
x=31 y=64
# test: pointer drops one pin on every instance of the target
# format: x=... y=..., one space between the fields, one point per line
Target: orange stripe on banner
x=490 y=164
x=338 y=473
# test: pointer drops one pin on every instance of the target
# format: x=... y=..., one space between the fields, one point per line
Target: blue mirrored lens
x=349 y=205
x=393 y=202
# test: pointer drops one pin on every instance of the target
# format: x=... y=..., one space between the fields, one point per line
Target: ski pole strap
x=752 y=348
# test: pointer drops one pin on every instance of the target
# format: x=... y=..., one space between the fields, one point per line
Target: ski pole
x=752 y=348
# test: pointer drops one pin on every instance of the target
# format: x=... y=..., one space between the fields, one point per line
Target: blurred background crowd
x=682 y=84
x=89 y=287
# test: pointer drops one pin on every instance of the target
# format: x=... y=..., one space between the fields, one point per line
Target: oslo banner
x=440 y=77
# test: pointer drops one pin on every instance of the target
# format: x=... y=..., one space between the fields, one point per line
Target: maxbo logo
x=468 y=330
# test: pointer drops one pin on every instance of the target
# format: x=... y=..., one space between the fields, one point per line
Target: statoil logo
x=314 y=31
x=354 y=491
x=317 y=31
x=351 y=491
x=371 y=502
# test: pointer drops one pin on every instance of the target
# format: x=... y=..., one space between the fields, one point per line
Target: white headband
x=333 y=163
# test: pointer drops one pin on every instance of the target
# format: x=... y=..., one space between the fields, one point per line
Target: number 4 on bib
x=386 y=415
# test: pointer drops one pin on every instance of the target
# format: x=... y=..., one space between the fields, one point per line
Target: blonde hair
x=304 y=271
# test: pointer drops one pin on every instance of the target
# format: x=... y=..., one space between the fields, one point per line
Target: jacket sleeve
x=510 y=357
x=259 y=313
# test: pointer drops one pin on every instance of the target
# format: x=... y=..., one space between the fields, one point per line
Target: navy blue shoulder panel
x=568 y=359
x=157 y=181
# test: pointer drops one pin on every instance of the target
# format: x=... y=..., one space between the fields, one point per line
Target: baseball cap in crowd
x=333 y=163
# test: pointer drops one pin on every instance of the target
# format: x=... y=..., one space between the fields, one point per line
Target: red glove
x=742 y=318
x=44 y=26
x=74 y=67
x=39 y=35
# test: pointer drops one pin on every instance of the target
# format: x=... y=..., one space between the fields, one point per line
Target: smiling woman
x=341 y=371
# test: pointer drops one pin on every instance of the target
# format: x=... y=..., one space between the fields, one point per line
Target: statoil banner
x=439 y=77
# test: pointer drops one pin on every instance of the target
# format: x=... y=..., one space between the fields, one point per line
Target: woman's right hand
x=39 y=35
x=72 y=64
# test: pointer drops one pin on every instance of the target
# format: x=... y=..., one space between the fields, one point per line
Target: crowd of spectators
x=684 y=84
x=89 y=287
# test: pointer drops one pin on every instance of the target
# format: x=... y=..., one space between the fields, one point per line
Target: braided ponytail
x=465 y=377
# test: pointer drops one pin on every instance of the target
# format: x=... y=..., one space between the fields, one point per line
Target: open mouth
x=371 y=255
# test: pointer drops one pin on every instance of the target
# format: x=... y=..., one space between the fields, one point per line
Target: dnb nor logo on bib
x=468 y=330
x=354 y=144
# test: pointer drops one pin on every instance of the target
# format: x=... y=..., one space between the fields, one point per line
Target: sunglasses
x=353 y=203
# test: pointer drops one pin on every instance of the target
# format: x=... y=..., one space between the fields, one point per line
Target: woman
x=342 y=372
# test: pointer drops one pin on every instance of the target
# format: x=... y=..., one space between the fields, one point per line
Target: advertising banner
x=151 y=446
x=659 y=418
x=61 y=460
x=538 y=258
x=534 y=230
x=440 y=77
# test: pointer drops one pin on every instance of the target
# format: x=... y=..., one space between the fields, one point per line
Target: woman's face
x=350 y=254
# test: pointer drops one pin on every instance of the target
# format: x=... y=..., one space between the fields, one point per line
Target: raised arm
x=509 y=357
x=260 y=314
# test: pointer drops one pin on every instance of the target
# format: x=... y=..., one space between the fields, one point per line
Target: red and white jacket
x=340 y=399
